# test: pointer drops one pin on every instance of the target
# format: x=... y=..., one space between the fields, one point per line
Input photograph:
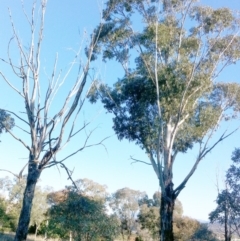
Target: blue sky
x=65 y=25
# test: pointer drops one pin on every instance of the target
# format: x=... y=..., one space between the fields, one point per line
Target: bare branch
x=14 y=88
x=18 y=176
x=18 y=139
x=201 y=155
x=53 y=163
x=136 y=161
x=13 y=113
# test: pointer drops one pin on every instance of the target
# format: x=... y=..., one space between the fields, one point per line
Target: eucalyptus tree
x=48 y=126
x=92 y=189
x=125 y=204
x=81 y=218
x=227 y=212
x=169 y=98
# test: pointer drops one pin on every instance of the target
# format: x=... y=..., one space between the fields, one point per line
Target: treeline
x=86 y=211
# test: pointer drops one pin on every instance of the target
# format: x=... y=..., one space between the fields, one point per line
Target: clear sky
x=65 y=25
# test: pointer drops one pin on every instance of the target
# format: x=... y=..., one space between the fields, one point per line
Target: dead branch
x=136 y=161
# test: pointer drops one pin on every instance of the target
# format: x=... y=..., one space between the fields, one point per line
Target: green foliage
x=186 y=89
x=84 y=217
x=149 y=215
x=5 y=218
x=184 y=228
x=125 y=204
x=203 y=234
x=92 y=189
x=168 y=99
x=14 y=190
x=6 y=121
x=149 y=219
x=227 y=211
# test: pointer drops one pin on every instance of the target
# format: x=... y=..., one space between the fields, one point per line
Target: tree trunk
x=45 y=236
x=24 y=219
x=166 y=214
x=36 y=231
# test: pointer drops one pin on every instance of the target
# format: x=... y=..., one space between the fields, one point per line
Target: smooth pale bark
x=24 y=219
x=36 y=231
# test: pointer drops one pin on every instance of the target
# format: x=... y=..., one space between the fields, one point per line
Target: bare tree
x=48 y=132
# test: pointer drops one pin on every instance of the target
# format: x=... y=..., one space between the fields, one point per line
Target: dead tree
x=48 y=132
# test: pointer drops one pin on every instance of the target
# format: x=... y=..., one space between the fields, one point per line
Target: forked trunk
x=166 y=214
x=24 y=219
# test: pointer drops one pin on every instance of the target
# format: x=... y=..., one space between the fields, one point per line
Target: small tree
x=125 y=204
x=203 y=233
x=169 y=100
x=82 y=218
x=48 y=129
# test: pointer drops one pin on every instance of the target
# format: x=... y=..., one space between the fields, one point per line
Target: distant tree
x=92 y=189
x=81 y=218
x=15 y=198
x=125 y=204
x=203 y=233
x=227 y=211
x=5 y=217
x=168 y=99
x=12 y=198
x=39 y=209
x=149 y=214
x=148 y=218
x=46 y=129
x=184 y=228
x=6 y=121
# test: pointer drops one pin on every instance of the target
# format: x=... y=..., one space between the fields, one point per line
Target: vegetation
x=11 y=203
x=48 y=129
x=227 y=211
x=6 y=121
x=90 y=214
x=81 y=218
x=168 y=99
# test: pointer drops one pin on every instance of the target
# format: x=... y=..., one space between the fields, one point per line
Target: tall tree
x=169 y=99
x=227 y=212
x=48 y=129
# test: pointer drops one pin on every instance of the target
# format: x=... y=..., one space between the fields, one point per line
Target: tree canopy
x=169 y=99
x=82 y=218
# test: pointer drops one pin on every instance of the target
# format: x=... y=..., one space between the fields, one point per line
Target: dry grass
x=10 y=237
